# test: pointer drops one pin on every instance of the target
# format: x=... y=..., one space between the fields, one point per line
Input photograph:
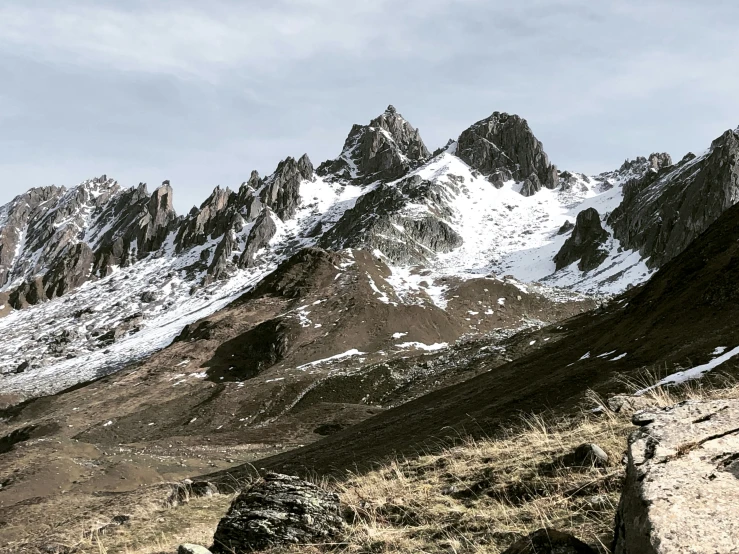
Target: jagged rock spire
x=502 y=147
x=384 y=150
x=281 y=191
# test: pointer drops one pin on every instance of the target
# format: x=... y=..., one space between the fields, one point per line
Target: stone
x=549 y=541
x=192 y=549
x=682 y=481
x=277 y=511
x=531 y=186
x=261 y=233
x=584 y=245
x=622 y=403
x=566 y=227
x=281 y=191
x=506 y=142
x=183 y=491
x=377 y=221
x=586 y=455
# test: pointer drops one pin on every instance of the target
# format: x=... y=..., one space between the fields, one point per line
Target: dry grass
x=155 y=528
x=475 y=497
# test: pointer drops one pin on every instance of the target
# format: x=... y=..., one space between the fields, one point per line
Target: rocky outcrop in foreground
x=682 y=482
x=280 y=510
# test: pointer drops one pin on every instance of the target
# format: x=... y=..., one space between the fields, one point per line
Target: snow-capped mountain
x=97 y=276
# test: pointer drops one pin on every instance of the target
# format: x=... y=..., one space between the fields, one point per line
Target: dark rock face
x=261 y=233
x=549 y=541
x=281 y=191
x=664 y=211
x=531 y=186
x=585 y=243
x=378 y=221
x=503 y=147
x=253 y=352
x=71 y=236
x=211 y=219
x=26 y=210
x=279 y=511
x=383 y=150
x=567 y=226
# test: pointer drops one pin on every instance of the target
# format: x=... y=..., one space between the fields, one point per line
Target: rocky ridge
x=489 y=203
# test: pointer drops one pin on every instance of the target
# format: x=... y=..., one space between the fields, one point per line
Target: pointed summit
x=503 y=147
x=384 y=150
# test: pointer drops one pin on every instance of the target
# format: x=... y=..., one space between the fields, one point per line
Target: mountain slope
x=686 y=315
x=132 y=274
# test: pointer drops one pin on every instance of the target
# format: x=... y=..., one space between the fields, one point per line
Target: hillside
x=97 y=276
x=324 y=319
x=683 y=318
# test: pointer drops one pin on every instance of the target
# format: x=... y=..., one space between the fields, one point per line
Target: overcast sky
x=201 y=93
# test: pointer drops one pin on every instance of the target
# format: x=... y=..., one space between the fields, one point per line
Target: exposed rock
x=261 y=233
x=222 y=257
x=281 y=191
x=254 y=351
x=211 y=219
x=192 y=549
x=183 y=492
x=26 y=210
x=682 y=481
x=549 y=541
x=149 y=296
x=666 y=209
x=154 y=225
x=531 y=185
x=504 y=145
x=378 y=221
x=280 y=510
x=586 y=455
x=585 y=243
x=383 y=150
x=567 y=226
x=629 y=404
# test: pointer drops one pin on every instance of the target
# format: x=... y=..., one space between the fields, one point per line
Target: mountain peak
x=384 y=150
x=502 y=147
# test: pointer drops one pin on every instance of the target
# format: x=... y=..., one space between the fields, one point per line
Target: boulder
x=183 y=491
x=622 y=403
x=682 y=481
x=586 y=455
x=585 y=243
x=567 y=226
x=549 y=541
x=277 y=511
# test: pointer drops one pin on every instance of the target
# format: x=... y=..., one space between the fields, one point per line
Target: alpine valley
x=323 y=318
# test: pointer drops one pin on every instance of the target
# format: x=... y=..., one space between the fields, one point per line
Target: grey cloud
x=174 y=90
